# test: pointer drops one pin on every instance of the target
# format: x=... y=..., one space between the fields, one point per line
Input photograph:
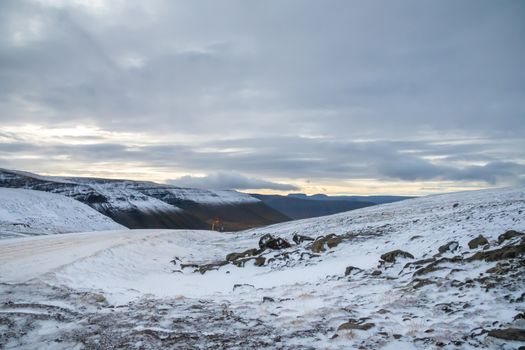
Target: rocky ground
x=443 y=272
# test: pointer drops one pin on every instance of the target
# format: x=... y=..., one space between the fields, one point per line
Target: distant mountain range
x=139 y=204
x=370 y=199
x=302 y=206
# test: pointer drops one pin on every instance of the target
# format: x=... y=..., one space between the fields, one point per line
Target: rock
x=427 y=269
x=455 y=205
x=499 y=269
x=355 y=325
x=317 y=246
x=515 y=334
x=349 y=270
x=393 y=255
x=478 y=241
x=174 y=261
x=213 y=266
x=445 y=307
x=376 y=273
x=94 y=297
x=421 y=283
x=397 y=336
x=249 y=252
x=241 y=262
x=259 y=261
x=508 y=235
x=419 y=263
x=271 y=242
x=520 y=316
x=183 y=266
x=300 y=238
x=334 y=242
x=243 y=286
x=450 y=246
x=268 y=300
x=330 y=240
x=308 y=255
x=508 y=252
x=433 y=266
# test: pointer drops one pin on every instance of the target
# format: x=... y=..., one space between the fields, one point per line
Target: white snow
x=124 y=188
x=210 y=197
x=27 y=212
x=130 y=265
x=121 y=195
x=214 y=196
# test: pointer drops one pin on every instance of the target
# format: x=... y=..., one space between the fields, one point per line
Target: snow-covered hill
x=140 y=204
x=27 y=212
x=443 y=271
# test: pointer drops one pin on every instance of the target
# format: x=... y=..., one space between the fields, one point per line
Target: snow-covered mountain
x=445 y=271
x=28 y=212
x=139 y=204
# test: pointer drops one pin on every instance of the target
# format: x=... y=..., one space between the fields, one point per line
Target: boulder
x=317 y=246
x=330 y=240
x=249 y=252
x=507 y=252
x=419 y=283
x=478 y=241
x=349 y=270
x=259 y=261
x=355 y=325
x=515 y=334
x=241 y=262
x=333 y=242
x=450 y=246
x=212 y=266
x=300 y=238
x=393 y=255
x=509 y=235
x=271 y=242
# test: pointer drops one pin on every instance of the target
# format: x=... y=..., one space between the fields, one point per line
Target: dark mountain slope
x=298 y=208
x=373 y=199
x=137 y=204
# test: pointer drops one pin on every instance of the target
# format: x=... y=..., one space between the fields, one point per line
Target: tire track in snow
x=22 y=259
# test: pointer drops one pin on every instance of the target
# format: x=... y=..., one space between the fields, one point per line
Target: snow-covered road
x=22 y=259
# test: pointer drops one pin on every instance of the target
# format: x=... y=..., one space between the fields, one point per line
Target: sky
x=336 y=97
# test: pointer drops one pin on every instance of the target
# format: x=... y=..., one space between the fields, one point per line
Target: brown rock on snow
x=478 y=241
x=508 y=235
x=393 y=255
x=355 y=325
x=515 y=334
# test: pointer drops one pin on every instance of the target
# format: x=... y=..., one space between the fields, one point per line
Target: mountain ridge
x=143 y=204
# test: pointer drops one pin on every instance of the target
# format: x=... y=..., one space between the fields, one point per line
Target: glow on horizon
x=70 y=164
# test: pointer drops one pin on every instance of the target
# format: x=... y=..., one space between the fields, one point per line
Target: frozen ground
x=147 y=289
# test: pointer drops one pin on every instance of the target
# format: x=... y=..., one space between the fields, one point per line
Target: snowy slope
x=201 y=196
x=27 y=212
x=143 y=289
x=128 y=188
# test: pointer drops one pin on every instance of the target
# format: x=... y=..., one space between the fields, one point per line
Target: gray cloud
x=412 y=90
x=223 y=181
x=306 y=158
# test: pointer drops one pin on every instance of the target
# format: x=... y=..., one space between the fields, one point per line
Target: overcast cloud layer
x=336 y=96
